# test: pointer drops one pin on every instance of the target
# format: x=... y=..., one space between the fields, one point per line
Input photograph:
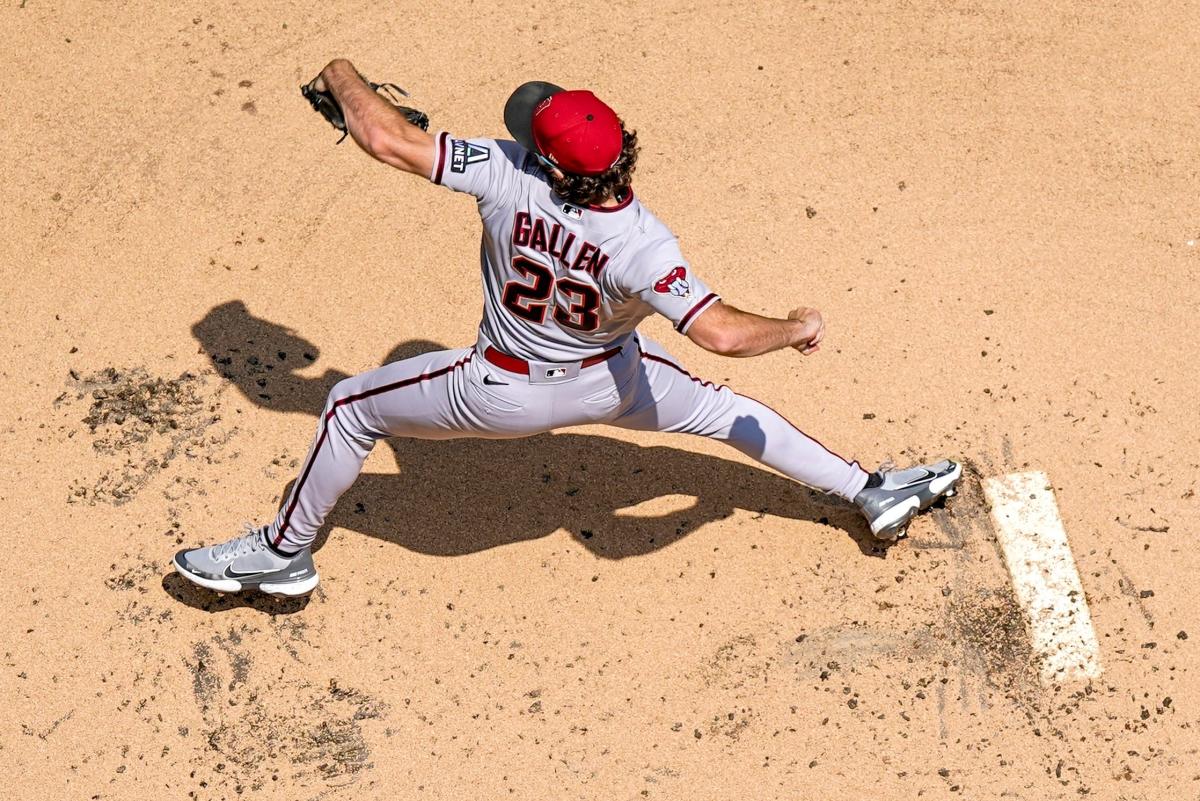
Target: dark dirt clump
x=133 y=577
x=129 y=407
x=144 y=421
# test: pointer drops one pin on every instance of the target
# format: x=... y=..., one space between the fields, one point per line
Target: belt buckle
x=553 y=372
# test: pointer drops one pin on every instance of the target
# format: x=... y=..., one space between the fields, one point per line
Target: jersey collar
x=625 y=201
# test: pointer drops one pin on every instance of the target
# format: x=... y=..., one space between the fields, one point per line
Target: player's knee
x=340 y=413
x=341 y=390
x=344 y=420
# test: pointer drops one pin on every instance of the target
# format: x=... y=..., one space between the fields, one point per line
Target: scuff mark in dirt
x=959 y=647
x=239 y=661
x=735 y=663
x=1130 y=590
x=44 y=734
x=291 y=631
x=139 y=424
x=989 y=626
x=205 y=682
x=265 y=727
x=133 y=577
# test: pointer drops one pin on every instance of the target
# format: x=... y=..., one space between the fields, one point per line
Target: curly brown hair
x=585 y=190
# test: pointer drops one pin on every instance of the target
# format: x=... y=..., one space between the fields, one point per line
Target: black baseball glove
x=325 y=104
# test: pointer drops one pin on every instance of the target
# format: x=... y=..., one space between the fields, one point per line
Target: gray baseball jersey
x=563 y=282
x=564 y=289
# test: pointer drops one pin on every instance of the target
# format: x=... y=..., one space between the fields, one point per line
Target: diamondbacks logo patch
x=463 y=154
x=674 y=283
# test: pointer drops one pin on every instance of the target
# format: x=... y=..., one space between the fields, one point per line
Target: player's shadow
x=453 y=497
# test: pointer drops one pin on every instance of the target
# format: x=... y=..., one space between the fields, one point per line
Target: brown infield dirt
x=995 y=205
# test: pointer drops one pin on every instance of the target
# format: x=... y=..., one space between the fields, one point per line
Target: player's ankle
x=281 y=550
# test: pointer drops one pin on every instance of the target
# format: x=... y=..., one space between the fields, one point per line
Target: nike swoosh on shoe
x=929 y=476
x=233 y=574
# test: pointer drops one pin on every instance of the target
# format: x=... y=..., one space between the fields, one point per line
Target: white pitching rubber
x=1045 y=579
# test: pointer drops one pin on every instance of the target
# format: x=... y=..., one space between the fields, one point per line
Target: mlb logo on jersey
x=572 y=211
x=463 y=154
x=674 y=283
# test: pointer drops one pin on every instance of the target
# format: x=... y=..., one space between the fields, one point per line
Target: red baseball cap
x=574 y=130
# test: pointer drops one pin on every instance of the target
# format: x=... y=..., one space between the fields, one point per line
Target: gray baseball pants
x=459 y=393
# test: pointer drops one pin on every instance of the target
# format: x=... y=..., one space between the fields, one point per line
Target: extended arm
x=375 y=124
x=729 y=331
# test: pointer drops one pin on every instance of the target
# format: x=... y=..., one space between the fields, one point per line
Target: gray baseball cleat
x=902 y=494
x=248 y=563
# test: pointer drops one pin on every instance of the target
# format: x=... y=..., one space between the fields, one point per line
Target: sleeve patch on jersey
x=463 y=154
x=674 y=283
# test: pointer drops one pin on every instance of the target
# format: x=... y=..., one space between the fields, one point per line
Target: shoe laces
x=249 y=542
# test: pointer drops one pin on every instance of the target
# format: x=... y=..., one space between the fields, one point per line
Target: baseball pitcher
x=571 y=263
